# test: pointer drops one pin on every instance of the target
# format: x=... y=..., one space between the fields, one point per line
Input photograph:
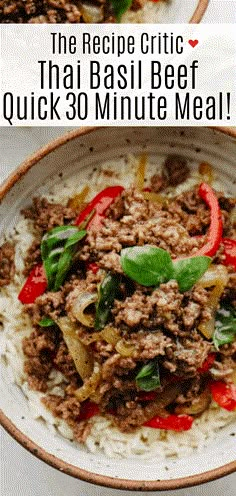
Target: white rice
x=146 y=442
x=150 y=13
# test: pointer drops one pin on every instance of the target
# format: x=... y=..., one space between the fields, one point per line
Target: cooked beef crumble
x=7 y=264
x=159 y=324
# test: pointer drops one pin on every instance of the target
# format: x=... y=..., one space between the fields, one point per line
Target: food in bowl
x=89 y=11
x=125 y=324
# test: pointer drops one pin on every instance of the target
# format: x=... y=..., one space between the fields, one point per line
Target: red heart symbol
x=193 y=43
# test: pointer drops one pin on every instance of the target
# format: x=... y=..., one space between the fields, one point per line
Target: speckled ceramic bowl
x=181 y=11
x=70 y=154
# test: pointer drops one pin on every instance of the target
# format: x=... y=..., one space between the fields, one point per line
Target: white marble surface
x=21 y=474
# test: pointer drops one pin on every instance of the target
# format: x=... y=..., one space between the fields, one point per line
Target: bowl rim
x=199 y=11
x=31 y=446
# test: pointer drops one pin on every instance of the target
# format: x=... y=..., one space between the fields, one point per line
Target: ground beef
x=158 y=182
x=32 y=258
x=189 y=355
x=165 y=308
x=138 y=4
x=229 y=295
x=175 y=170
x=151 y=345
x=140 y=222
x=7 y=263
x=47 y=215
x=48 y=305
x=40 y=347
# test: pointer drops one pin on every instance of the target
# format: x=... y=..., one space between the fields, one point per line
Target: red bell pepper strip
x=88 y=410
x=172 y=422
x=34 y=286
x=229 y=252
x=214 y=236
x=100 y=204
x=92 y=266
x=224 y=394
x=207 y=363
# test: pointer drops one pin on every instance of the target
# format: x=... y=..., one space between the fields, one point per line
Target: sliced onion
x=78 y=306
x=217 y=276
x=153 y=197
x=140 y=173
x=233 y=216
x=109 y=334
x=125 y=348
x=233 y=377
x=90 y=385
x=91 y=14
x=76 y=201
x=206 y=170
x=81 y=356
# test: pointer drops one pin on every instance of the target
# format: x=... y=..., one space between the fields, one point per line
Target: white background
x=210 y=74
x=21 y=474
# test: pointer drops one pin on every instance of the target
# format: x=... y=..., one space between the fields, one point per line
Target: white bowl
x=69 y=154
x=170 y=12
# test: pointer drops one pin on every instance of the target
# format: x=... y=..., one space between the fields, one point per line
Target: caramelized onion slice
x=90 y=385
x=206 y=170
x=217 y=277
x=199 y=405
x=140 y=173
x=91 y=14
x=81 y=356
x=79 y=304
x=124 y=348
x=153 y=197
x=109 y=334
x=78 y=199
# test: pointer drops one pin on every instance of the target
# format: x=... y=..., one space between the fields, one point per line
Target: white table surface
x=21 y=474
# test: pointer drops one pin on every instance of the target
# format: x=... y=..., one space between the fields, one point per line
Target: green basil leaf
x=108 y=291
x=189 y=270
x=120 y=7
x=148 y=377
x=63 y=267
x=57 y=236
x=225 y=326
x=75 y=238
x=58 y=248
x=147 y=265
x=46 y=322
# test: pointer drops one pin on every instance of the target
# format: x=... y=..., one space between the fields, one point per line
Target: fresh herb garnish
x=58 y=248
x=151 y=266
x=46 y=322
x=148 y=377
x=147 y=265
x=189 y=270
x=108 y=290
x=225 y=326
x=120 y=7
